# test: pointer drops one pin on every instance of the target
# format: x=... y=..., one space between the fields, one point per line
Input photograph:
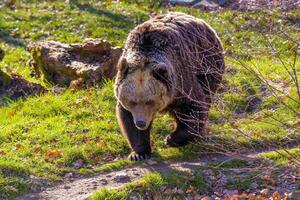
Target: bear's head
x=143 y=89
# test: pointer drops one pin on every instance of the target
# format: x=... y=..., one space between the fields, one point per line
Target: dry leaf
x=168 y=191
x=235 y=197
x=157 y=196
x=53 y=153
x=36 y=148
x=265 y=178
x=2 y=152
x=189 y=190
x=258 y=117
x=205 y=198
x=259 y=197
x=276 y=196
x=227 y=197
x=251 y=196
x=19 y=145
x=284 y=197
x=11 y=114
x=82 y=100
x=76 y=85
x=100 y=143
x=297 y=123
x=243 y=195
x=273 y=183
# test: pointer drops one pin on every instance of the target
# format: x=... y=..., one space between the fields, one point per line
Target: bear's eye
x=132 y=103
x=149 y=103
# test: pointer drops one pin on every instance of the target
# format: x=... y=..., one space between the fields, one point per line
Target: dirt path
x=82 y=188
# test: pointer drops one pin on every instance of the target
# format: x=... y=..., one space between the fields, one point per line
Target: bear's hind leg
x=190 y=126
x=139 y=140
x=180 y=137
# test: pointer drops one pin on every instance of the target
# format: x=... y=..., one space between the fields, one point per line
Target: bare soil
x=83 y=188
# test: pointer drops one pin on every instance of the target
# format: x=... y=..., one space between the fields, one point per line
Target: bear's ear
x=160 y=72
x=122 y=67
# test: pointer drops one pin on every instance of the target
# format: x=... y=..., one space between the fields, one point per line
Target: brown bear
x=172 y=63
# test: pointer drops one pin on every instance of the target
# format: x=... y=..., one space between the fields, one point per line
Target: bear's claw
x=173 y=141
x=134 y=156
x=169 y=141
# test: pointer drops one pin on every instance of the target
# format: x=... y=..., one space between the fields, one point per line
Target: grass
x=156 y=185
x=82 y=124
x=282 y=157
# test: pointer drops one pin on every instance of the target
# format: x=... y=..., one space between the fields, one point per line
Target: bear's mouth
x=141 y=125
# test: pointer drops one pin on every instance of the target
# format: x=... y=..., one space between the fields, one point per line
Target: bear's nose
x=140 y=124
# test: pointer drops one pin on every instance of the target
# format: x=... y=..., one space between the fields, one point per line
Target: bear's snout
x=140 y=124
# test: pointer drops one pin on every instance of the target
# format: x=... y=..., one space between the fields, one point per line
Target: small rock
x=134 y=198
x=168 y=191
x=78 y=163
x=189 y=197
x=136 y=173
x=174 y=191
x=121 y=177
x=211 y=178
x=163 y=188
x=89 y=166
x=68 y=175
x=295 y=194
x=214 y=159
x=207 y=172
x=231 y=192
x=208 y=4
x=180 y=191
x=265 y=192
x=104 y=181
x=253 y=103
x=151 y=162
x=254 y=185
x=183 y=2
x=67 y=187
x=58 y=90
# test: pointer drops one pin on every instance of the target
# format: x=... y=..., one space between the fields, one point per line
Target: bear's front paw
x=134 y=156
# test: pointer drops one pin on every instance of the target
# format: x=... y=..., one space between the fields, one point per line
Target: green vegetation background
x=82 y=124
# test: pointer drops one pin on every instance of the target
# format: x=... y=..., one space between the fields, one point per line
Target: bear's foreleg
x=139 y=140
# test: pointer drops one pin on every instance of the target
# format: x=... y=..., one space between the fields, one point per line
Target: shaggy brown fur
x=186 y=56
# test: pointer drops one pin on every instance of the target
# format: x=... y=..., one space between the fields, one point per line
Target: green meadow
x=81 y=126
